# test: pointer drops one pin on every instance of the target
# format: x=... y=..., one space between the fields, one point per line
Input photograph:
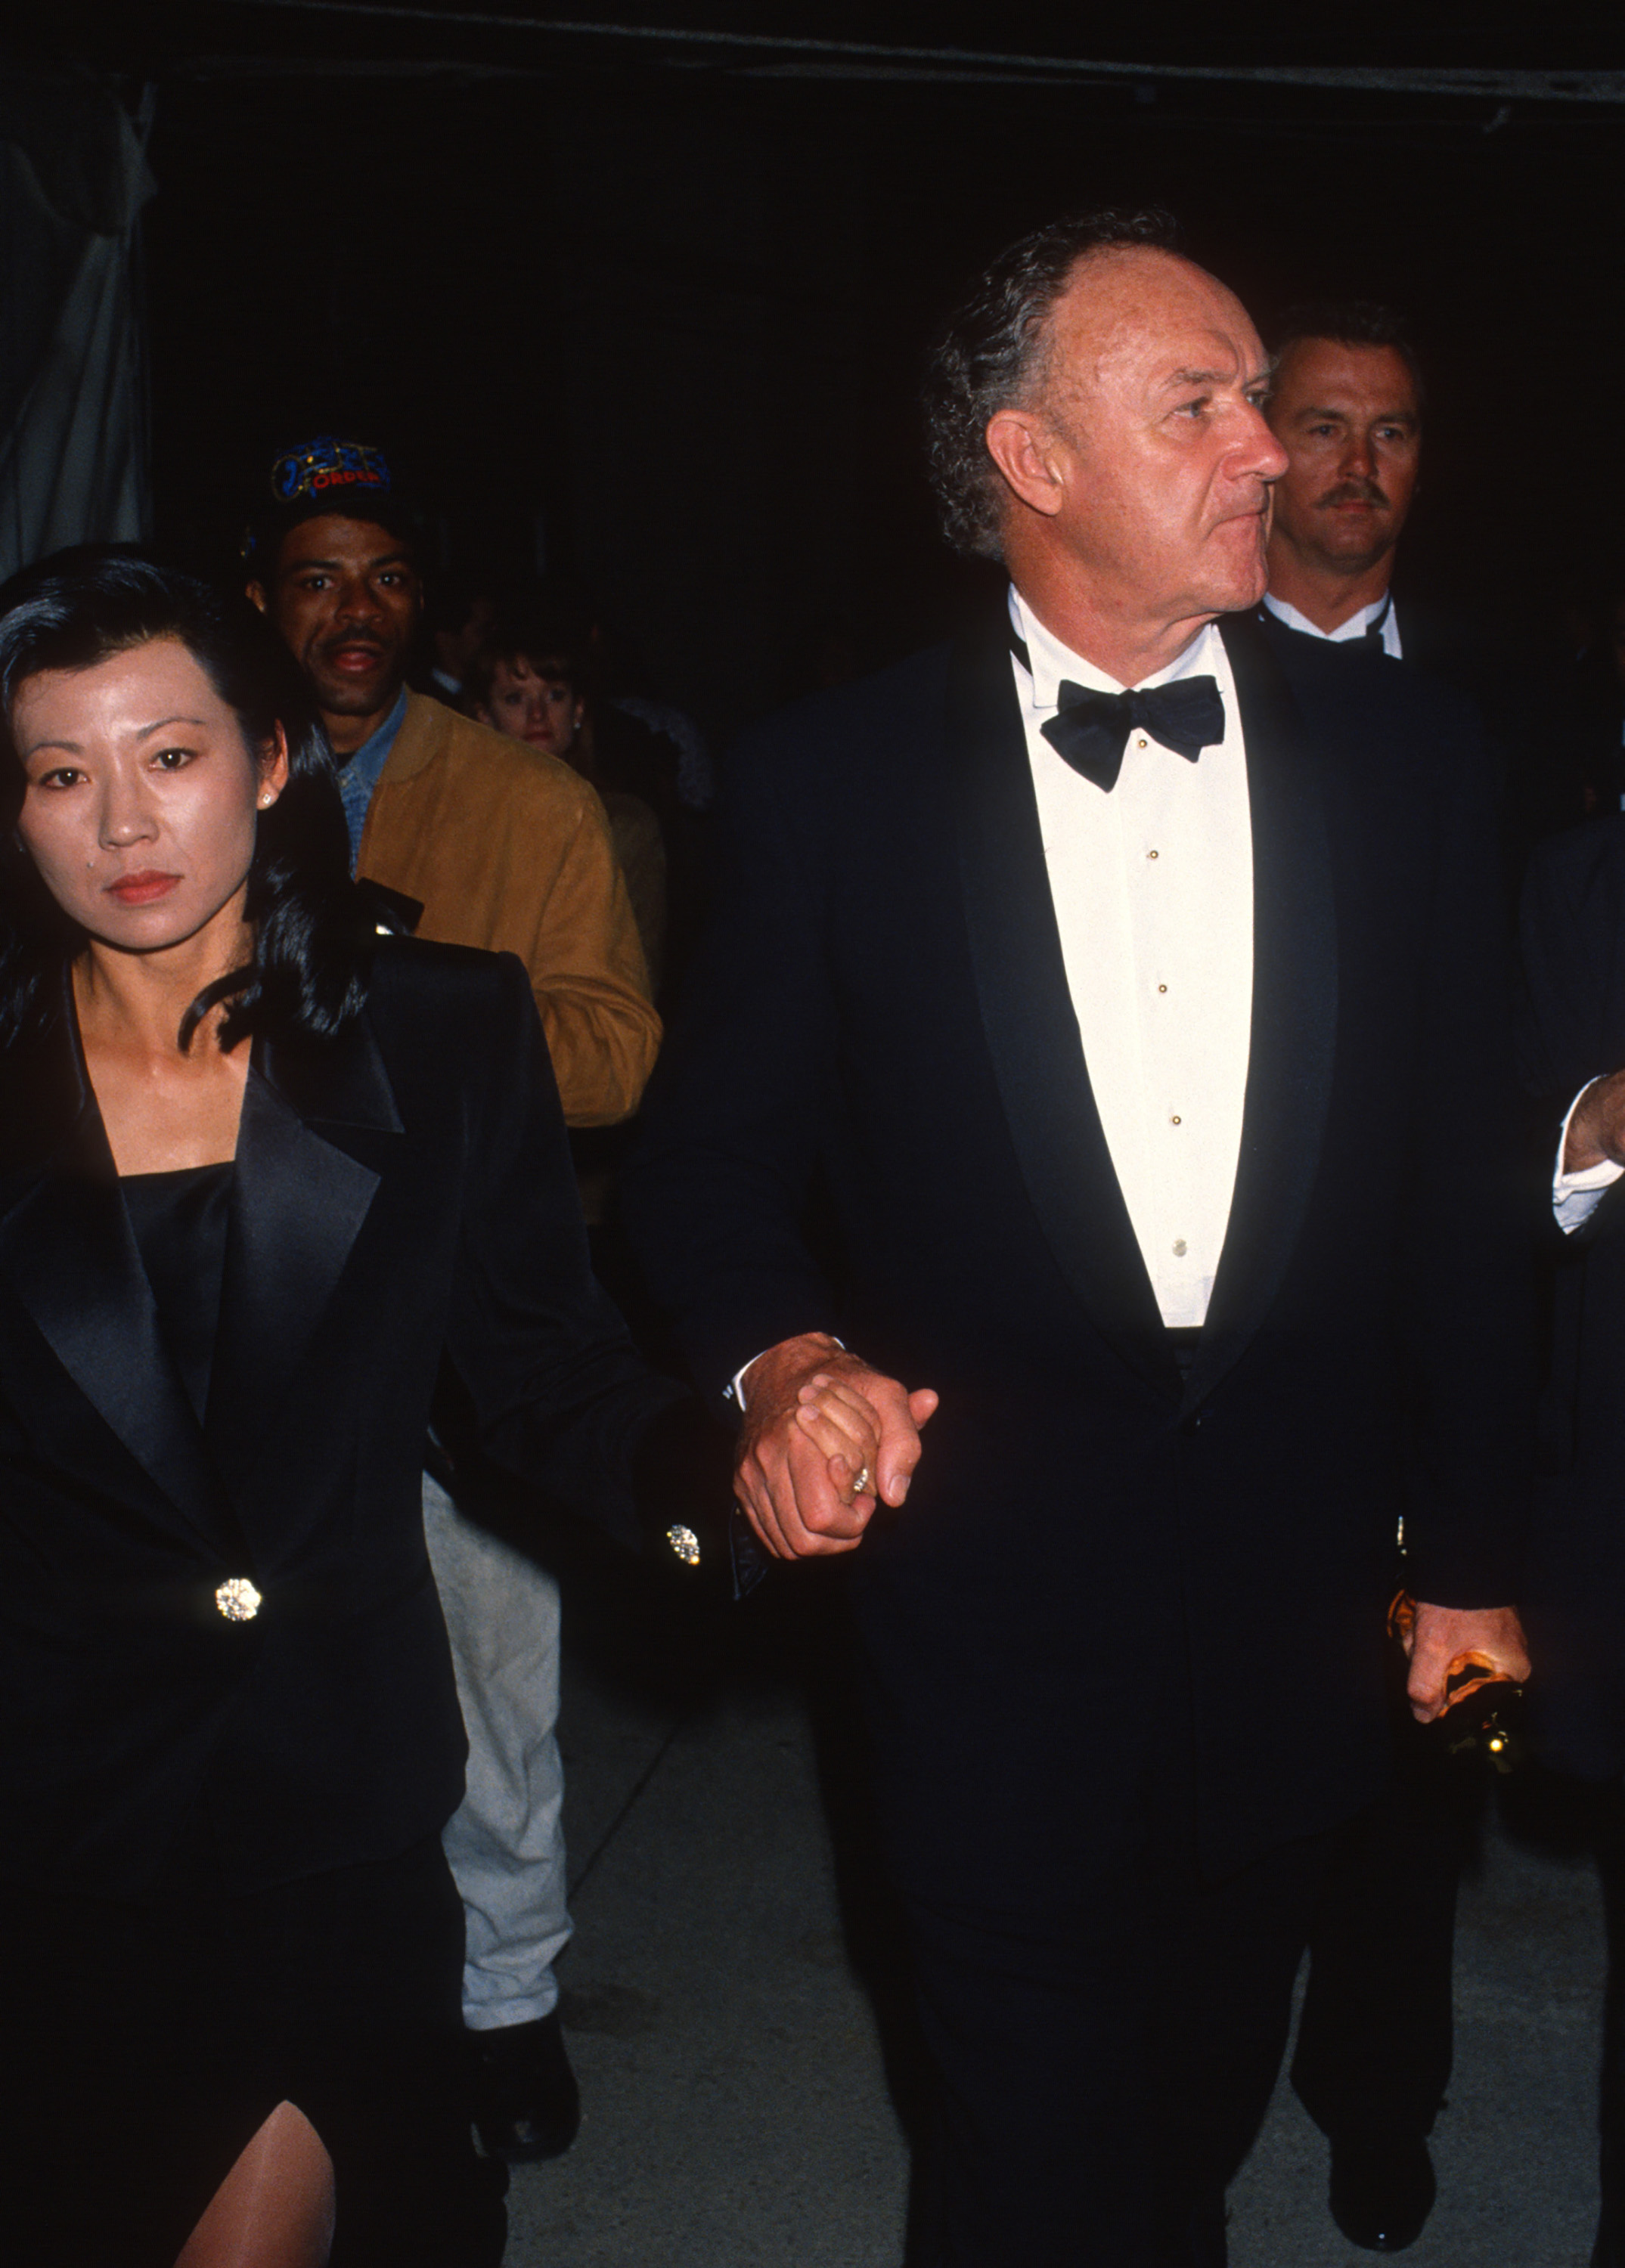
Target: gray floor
x=737 y=2111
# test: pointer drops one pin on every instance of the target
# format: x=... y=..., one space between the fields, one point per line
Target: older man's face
x=1153 y=392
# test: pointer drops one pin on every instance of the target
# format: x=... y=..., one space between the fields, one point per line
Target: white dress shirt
x=1381 y=610
x=1152 y=885
x=1575 y=1197
x=1153 y=891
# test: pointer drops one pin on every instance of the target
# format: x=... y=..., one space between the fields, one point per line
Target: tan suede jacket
x=509 y=849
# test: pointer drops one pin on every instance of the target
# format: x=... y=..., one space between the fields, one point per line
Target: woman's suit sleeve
x=557 y=1394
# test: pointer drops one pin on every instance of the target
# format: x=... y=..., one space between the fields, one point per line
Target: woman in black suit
x=267 y=1178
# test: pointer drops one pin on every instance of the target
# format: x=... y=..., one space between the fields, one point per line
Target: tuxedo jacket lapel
x=67 y=1249
x=1295 y=985
x=299 y=1203
x=1027 y=1013
x=1032 y=1032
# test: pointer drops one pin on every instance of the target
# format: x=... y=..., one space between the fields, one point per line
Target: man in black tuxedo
x=1572 y=1046
x=1134 y=1037
x=1345 y=403
x=1374 y=2043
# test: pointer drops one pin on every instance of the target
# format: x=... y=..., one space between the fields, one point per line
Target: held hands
x=1443 y=1635
x=818 y=1423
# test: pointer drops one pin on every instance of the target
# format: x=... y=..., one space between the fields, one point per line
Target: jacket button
x=1188 y=1426
x=237 y=1599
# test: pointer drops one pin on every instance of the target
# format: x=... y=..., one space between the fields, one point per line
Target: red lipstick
x=143 y=889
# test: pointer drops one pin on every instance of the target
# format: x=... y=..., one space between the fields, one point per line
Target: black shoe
x=526 y=2102
x=1381 y=2190
x=1607 y=2251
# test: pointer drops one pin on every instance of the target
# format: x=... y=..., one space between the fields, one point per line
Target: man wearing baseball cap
x=506 y=847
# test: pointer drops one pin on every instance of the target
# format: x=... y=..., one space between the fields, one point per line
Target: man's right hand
x=815 y=1418
x=1597 y=1128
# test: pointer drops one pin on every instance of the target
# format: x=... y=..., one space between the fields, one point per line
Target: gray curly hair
x=987 y=356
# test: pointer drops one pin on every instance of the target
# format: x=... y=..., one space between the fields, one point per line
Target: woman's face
x=141 y=795
x=535 y=706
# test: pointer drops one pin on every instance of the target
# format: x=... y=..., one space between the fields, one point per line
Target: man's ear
x=1019 y=444
x=258 y=596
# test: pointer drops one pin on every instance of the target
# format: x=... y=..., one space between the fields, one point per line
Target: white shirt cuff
x=734 y=1390
x=1575 y=1197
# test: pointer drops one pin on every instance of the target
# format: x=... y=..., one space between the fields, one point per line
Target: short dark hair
x=1352 y=323
x=311 y=922
x=987 y=356
x=552 y=648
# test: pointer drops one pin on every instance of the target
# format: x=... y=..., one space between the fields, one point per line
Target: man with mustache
x=1375 y=2039
x=499 y=846
x=1109 y=987
x=1345 y=404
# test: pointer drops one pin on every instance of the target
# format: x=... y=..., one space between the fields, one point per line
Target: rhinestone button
x=238 y=1599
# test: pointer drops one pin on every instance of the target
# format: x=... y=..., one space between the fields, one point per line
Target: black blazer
x=401 y=1197
x=1571 y=1029
x=884 y=1013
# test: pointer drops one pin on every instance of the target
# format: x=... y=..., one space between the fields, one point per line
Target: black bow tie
x=1091 y=729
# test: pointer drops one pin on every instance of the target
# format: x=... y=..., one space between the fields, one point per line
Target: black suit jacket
x=401 y=1197
x=1500 y=676
x=1572 y=1028
x=884 y=1010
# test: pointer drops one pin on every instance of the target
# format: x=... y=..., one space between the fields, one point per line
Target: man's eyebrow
x=336 y=566
x=1182 y=378
x=1383 y=417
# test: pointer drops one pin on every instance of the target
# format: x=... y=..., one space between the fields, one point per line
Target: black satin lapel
x=67 y=1249
x=1027 y=1013
x=1294 y=1030
x=298 y=1204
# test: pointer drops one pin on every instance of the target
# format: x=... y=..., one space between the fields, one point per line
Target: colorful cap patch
x=325 y=466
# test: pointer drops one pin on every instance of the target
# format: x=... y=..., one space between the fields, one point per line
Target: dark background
x=650 y=314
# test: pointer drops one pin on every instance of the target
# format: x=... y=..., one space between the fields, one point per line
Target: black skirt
x=146 y=2042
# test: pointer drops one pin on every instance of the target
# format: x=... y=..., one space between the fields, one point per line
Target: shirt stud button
x=1174 y=1121
x=1162 y=988
x=1150 y=854
x=1180 y=1247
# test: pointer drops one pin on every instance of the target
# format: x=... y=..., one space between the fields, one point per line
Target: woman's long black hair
x=312 y=929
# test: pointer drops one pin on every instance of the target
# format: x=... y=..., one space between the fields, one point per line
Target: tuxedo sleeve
x=1467 y=1312
x=718 y=1193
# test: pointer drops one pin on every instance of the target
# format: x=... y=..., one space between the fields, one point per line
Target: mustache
x=1354 y=492
x=341 y=639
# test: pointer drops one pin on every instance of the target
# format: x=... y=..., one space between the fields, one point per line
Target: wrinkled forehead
x=1336 y=371
x=334 y=538
x=1134 y=319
